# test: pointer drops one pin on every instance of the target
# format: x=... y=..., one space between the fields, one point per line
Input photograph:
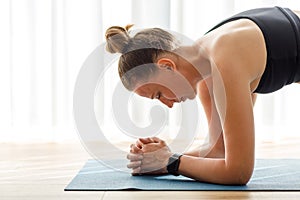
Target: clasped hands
x=149 y=156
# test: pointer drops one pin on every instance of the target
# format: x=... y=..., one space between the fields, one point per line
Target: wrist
x=173 y=164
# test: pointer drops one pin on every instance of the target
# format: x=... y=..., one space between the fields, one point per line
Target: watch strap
x=173 y=164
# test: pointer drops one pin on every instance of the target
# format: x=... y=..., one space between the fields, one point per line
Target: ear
x=166 y=63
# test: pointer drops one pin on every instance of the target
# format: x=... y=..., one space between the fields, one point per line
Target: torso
x=239 y=50
x=246 y=39
x=237 y=31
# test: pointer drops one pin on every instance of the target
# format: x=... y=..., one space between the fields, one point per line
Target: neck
x=194 y=63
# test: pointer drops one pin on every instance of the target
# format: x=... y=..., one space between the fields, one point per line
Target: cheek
x=170 y=93
x=174 y=85
x=176 y=90
x=184 y=87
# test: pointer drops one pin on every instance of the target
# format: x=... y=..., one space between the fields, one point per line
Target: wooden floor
x=41 y=171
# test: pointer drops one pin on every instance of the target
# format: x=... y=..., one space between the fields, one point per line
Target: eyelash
x=158 y=95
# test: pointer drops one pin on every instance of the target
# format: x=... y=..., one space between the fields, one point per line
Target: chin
x=192 y=96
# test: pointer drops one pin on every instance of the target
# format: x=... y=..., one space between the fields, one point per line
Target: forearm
x=206 y=151
x=198 y=152
x=237 y=165
x=213 y=170
x=213 y=149
x=215 y=146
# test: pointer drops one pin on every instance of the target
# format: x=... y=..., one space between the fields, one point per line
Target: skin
x=229 y=156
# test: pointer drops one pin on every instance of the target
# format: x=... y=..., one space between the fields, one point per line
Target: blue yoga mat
x=269 y=175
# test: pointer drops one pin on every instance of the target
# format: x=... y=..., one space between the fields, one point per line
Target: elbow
x=243 y=179
x=240 y=175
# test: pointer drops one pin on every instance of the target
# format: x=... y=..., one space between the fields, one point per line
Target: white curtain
x=45 y=42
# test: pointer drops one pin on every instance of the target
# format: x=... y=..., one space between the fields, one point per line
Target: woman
x=256 y=51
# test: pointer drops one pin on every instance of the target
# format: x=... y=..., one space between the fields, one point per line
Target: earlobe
x=166 y=63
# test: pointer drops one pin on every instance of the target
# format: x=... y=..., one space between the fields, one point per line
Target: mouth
x=182 y=99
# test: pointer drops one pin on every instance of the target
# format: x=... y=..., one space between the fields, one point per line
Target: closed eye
x=157 y=96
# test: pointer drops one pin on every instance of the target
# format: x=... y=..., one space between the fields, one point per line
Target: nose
x=167 y=102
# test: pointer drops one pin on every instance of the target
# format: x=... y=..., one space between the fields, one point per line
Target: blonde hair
x=142 y=49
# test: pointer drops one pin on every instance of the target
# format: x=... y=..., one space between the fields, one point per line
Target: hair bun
x=117 y=38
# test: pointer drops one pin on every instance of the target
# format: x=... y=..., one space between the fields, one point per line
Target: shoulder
x=239 y=47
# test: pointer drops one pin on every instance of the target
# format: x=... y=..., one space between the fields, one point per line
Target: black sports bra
x=281 y=30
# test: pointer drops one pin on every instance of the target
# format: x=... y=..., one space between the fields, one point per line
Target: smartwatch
x=173 y=164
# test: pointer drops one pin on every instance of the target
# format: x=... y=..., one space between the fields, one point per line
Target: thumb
x=156 y=140
x=145 y=140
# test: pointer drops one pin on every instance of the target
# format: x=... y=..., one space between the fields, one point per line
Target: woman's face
x=168 y=86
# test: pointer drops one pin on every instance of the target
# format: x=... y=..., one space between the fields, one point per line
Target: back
x=281 y=30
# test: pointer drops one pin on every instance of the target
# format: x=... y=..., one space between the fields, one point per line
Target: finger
x=134 y=164
x=156 y=139
x=134 y=157
x=139 y=144
x=147 y=161
x=150 y=148
x=146 y=140
x=136 y=150
x=133 y=145
x=136 y=171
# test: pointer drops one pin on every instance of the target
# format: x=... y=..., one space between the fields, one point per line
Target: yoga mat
x=269 y=175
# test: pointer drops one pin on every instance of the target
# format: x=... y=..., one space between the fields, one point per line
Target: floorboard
x=41 y=171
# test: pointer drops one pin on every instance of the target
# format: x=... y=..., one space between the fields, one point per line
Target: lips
x=182 y=99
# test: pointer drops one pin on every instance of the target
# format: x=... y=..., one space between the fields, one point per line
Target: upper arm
x=234 y=104
x=233 y=69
